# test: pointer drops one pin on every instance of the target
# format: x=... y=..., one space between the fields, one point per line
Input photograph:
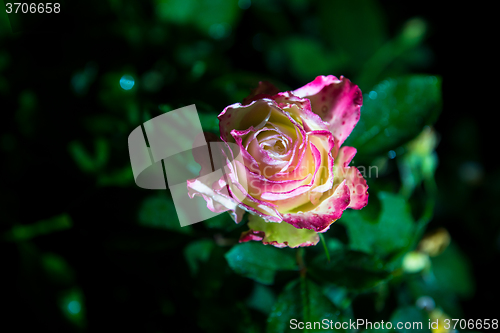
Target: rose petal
x=222 y=190
x=337 y=102
x=243 y=117
x=300 y=109
x=320 y=217
x=218 y=199
x=354 y=179
x=252 y=235
x=259 y=184
x=282 y=195
x=248 y=118
x=278 y=234
x=325 y=138
x=261 y=208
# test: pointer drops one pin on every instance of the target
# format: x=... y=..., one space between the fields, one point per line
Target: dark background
x=131 y=277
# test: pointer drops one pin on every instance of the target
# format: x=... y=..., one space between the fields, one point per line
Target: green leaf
x=421 y=285
x=165 y=107
x=120 y=177
x=237 y=85
x=338 y=295
x=159 y=212
x=419 y=162
x=452 y=272
x=356 y=27
x=198 y=251
x=201 y=14
x=29 y=231
x=391 y=232
x=72 y=304
x=308 y=58
x=81 y=156
x=262 y=299
x=395 y=111
x=354 y=270
x=259 y=262
x=391 y=58
x=57 y=269
x=84 y=160
x=221 y=221
x=410 y=319
x=302 y=301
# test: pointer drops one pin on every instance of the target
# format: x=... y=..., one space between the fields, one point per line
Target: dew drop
x=425 y=302
x=127 y=82
x=74 y=307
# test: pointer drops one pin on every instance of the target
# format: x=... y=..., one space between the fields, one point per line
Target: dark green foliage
x=86 y=250
x=390 y=232
x=159 y=212
x=303 y=301
x=259 y=262
x=353 y=270
x=395 y=111
x=452 y=272
x=415 y=318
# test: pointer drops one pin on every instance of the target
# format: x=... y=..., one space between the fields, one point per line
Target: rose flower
x=292 y=174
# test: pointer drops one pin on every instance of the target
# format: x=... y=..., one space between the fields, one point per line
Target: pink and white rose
x=293 y=174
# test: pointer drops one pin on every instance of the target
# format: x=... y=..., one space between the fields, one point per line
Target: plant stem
x=324 y=246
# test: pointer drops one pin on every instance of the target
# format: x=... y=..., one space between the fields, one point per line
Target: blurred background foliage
x=84 y=249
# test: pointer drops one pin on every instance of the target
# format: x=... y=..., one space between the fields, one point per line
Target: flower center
x=274 y=145
x=279 y=147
